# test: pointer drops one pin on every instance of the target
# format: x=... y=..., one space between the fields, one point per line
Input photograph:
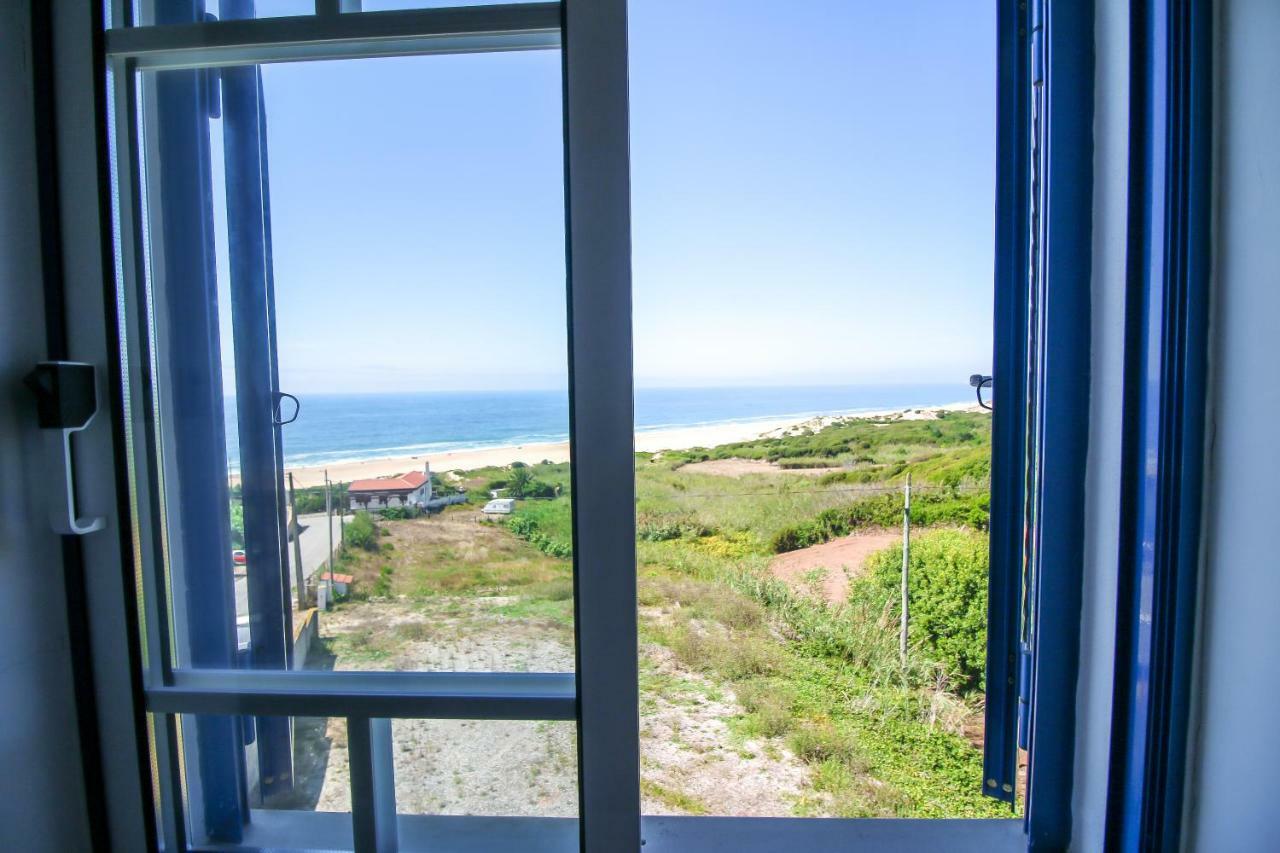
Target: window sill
x=295 y=830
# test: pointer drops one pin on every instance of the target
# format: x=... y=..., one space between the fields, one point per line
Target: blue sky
x=812 y=195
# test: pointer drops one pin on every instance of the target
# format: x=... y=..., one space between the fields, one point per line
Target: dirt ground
x=687 y=746
x=692 y=761
x=827 y=569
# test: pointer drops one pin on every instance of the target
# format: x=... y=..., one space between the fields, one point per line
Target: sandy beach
x=676 y=438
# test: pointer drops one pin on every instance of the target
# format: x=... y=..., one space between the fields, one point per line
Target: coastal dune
x=651 y=441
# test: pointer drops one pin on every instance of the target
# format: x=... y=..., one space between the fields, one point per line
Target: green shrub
x=522 y=484
x=361 y=532
x=662 y=527
x=817 y=741
x=527 y=529
x=731 y=656
x=769 y=704
x=948 y=598
x=237 y=524
x=311 y=499
x=382 y=586
x=970 y=510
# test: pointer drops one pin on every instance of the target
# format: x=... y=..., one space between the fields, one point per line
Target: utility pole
x=328 y=513
x=297 y=549
x=906 y=562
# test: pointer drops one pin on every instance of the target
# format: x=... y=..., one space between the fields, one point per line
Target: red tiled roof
x=403 y=483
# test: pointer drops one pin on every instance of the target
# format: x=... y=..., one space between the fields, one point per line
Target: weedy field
x=761 y=694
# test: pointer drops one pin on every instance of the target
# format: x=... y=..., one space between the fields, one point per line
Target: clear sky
x=812 y=196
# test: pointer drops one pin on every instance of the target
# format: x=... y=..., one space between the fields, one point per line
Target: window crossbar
x=471 y=29
x=379 y=695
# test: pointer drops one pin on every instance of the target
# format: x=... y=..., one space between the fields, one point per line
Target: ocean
x=334 y=428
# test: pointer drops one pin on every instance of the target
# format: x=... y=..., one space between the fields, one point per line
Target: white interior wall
x=1235 y=767
x=42 y=806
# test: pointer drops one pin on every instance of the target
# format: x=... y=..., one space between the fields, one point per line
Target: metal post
x=192 y=422
x=373 y=785
x=328 y=514
x=261 y=468
x=906 y=570
x=602 y=423
x=296 y=529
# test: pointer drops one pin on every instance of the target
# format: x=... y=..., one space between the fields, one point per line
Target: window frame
x=603 y=693
x=1165 y=404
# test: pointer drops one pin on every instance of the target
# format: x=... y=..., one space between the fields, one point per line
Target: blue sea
x=335 y=428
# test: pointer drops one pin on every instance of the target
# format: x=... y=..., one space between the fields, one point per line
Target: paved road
x=315 y=550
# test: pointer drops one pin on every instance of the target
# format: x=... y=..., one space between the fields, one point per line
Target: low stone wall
x=306 y=632
x=447 y=500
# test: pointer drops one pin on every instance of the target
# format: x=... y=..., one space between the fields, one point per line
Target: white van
x=499 y=506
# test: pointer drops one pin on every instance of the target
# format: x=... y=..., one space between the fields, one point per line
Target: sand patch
x=691 y=761
x=827 y=569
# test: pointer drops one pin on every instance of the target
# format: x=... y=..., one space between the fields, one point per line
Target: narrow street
x=315 y=550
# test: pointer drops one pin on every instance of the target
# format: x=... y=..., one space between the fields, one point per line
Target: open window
x=204 y=229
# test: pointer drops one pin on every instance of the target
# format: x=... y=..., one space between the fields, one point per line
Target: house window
x=260 y=158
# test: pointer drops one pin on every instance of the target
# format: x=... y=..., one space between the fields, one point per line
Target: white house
x=411 y=489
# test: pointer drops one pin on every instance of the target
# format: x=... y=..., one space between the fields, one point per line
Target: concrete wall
x=43 y=802
x=1235 y=768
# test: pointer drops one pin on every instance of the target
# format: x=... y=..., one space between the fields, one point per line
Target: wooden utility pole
x=297 y=549
x=906 y=562
x=328 y=518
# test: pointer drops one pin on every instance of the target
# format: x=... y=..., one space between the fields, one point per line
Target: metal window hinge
x=66 y=402
x=977 y=382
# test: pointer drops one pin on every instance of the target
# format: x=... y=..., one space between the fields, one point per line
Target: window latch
x=66 y=402
x=279 y=419
x=977 y=382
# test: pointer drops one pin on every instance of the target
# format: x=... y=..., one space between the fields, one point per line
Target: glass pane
x=149 y=12
x=812 y=210
x=486 y=767
x=234 y=763
x=357 y=304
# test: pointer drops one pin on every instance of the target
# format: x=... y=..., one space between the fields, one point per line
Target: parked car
x=499 y=506
x=238 y=557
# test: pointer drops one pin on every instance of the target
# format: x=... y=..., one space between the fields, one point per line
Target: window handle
x=977 y=382
x=279 y=414
x=66 y=402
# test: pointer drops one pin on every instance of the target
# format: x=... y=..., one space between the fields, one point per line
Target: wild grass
x=450 y=554
x=867 y=440
x=821 y=683
x=672 y=798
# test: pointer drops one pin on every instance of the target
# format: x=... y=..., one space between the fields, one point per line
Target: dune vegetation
x=816 y=683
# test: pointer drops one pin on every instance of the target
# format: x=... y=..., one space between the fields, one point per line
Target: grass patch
x=450 y=554
x=768 y=703
x=672 y=798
